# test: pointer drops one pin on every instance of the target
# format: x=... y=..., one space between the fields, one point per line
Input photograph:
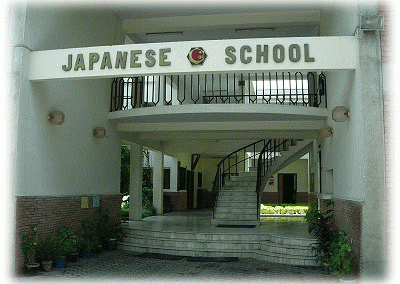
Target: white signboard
x=269 y=54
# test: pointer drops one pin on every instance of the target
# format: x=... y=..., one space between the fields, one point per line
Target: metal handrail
x=231 y=164
x=282 y=88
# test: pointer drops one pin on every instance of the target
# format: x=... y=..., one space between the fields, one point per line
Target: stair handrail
x=221 y=171
x=266 y=159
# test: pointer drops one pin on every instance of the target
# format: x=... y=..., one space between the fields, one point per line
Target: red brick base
x=348 y=216
x=51 y=213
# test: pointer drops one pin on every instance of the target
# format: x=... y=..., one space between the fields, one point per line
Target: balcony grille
x=283 y=88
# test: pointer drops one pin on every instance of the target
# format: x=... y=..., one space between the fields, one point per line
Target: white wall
x=172 y=164
x=66 y=159
x=339 y=20
x=342 y=153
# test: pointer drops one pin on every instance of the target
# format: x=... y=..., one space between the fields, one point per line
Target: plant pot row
x=60 y=262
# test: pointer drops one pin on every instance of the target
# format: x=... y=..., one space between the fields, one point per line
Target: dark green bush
x=332 y=247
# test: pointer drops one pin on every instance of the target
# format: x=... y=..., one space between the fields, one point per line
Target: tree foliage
x=125 y=169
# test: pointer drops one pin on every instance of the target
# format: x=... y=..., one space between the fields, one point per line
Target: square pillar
x=135 y=185
x=158 y=181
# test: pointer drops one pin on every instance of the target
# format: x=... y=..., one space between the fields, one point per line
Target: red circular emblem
x=197 y=55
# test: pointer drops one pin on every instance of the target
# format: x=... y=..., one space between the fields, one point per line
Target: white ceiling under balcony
x=216 y=129
x=166 y=21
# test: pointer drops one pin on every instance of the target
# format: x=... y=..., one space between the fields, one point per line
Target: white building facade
x=196 y=85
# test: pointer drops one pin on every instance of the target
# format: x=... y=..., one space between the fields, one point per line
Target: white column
x=135 y=185
x=158 y=181
x=316 y=168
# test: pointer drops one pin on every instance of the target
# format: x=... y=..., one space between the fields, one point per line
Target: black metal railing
x=266 y=158
x=237 y=161
x=283 y=88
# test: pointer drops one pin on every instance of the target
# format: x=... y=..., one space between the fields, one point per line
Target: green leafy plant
x=47 y=249
x=322 y=227
x=68 y=241
x=332 y=248
x=147 y=202
x=100 y=227
x=28 y=246
x=341 y=261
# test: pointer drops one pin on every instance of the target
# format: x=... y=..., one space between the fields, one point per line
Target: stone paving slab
x=124 y=267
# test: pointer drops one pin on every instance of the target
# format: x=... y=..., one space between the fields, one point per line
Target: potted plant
x=46 y=252
x=86 y=250
x=61 y=252
x=70 y=243
x=89 y=237
x=113 y=233
x=28 y=246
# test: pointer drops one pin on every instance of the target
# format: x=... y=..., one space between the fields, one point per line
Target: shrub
x=47 y=249
x=28 y=245
x=341 y=261
x=68 y=241
x=100 y=227
x=147 y=203
x=332 y=246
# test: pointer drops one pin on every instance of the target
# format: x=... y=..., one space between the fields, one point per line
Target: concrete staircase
x=237 y=201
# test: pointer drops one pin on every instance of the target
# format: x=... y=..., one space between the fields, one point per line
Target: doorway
x=190 y=189
x=287 y=188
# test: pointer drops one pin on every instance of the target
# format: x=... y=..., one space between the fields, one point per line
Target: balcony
x=226 y=110
x=298 y=89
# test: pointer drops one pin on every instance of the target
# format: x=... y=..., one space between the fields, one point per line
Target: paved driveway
x=124 y=267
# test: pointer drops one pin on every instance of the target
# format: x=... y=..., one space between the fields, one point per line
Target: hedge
x=283 y=209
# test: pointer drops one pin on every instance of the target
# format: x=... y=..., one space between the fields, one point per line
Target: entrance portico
x=347 y=160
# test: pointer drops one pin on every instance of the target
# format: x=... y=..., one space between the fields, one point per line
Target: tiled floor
x=124 y=267
x=199 y=221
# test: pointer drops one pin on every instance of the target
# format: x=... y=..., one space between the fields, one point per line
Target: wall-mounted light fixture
x=326 y=132
x=56 y=117
x=99 y=132
x=369 y=23
x=340 y=114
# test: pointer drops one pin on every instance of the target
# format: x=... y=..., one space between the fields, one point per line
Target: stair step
x=233 y=210
x=235 y=198
x=222 y=243
x=237 y=204
x=232 y=183
x=238 y=191
x=244 y=178
x=236 y=216
x=228 y=222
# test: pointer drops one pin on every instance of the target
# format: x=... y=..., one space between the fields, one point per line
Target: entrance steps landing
x=194 y=240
